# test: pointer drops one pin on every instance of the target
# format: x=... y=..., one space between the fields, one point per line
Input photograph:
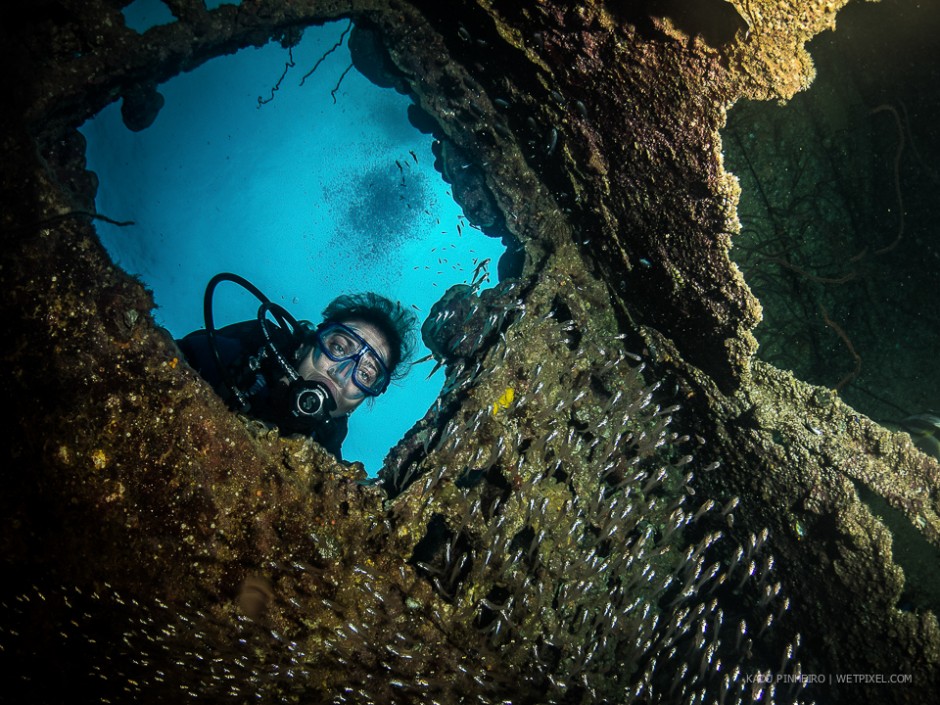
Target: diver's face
x=337 y=376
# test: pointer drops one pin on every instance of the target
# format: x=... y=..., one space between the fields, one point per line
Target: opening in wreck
x=837 y=235
x=289 y=167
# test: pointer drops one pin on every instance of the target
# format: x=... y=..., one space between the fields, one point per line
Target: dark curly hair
x=395 y=322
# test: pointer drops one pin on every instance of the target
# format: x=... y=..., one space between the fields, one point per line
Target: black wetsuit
x=237 y=345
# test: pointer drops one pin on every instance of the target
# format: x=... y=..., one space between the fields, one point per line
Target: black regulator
x=304 y=403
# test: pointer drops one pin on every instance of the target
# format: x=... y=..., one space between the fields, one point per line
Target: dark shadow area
x=715 y=21
x=838 y=238
x=916 y=556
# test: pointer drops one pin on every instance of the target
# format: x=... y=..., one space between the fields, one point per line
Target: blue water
x=141 y=15
x=302 y=196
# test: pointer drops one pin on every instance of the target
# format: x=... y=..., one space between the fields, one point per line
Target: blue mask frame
x=364 y=349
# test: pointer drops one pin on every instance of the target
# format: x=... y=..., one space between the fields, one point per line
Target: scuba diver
x=301 y=378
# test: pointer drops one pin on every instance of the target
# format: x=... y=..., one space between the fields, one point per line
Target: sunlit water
x=306 y=197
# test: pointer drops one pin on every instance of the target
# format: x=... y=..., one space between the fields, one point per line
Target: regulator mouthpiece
x=311 y=400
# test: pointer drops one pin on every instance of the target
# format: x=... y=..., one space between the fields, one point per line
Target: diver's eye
x=365 y=371
x=340 y=345
x=366 y=374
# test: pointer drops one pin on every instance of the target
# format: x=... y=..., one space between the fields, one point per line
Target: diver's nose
x=341 y=371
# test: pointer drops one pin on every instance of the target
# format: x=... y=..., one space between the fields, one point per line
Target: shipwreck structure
x=613 y=500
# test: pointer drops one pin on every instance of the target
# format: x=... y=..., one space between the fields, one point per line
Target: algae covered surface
x=611 y=501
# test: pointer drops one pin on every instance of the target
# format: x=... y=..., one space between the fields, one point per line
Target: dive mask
x=355 y=358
